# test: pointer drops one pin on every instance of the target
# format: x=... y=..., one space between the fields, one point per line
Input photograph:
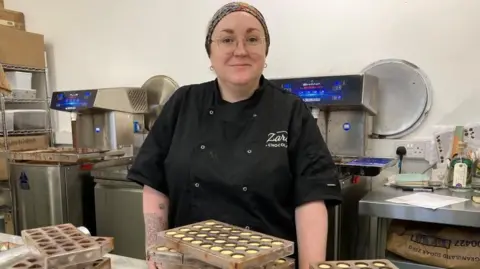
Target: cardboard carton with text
x=438 y=245
x=19 y=143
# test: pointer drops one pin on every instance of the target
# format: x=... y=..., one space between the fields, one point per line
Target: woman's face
x=238 y=49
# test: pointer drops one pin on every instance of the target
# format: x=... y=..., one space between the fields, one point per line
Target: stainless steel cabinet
x=119 y=214
x=49 y=194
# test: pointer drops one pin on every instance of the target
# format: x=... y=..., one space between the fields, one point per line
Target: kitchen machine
x=55 y=186
x=344 y=106
x=118 y=201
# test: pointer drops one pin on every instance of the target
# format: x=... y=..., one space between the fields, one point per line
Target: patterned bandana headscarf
x=230 y=8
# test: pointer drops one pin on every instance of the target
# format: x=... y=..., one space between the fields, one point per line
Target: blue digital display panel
x=330 y=90
x=73 y=100
x=316 y=90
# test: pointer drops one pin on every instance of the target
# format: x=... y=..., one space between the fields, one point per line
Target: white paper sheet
x=427 y=200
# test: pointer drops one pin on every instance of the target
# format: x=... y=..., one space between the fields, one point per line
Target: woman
x=238 y=149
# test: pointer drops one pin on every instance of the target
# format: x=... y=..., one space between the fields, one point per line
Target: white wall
x=124 y=42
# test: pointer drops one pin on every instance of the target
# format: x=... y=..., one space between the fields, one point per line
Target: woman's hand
x=151 y=265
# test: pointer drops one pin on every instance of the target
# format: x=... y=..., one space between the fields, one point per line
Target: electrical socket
x=416 y=149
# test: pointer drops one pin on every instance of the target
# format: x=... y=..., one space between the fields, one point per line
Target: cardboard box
x=12 y=19
x=3 y=167
x=18 y=143
x=4 y=85
x=21 y=48
x=27 y=142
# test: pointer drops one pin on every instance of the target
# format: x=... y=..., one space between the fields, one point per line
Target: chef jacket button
x=249 y=151
x=254 y=115
x=247 y=227
x=202 y=147
x=210 y=112
x=245 y=189
x=197 y=185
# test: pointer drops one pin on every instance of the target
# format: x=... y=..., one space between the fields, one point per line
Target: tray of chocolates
x=106 y=243
x=64 y=244
x=282 y=263
x=35 y=262
x=28 y=262
x=226 y=246
x=355 y=264
x=174 y=259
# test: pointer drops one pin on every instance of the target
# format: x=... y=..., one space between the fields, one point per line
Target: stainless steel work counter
x=374 y=204
x=462 y=214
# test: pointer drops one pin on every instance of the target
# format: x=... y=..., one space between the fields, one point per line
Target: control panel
x=72 y=101
x=328 y=90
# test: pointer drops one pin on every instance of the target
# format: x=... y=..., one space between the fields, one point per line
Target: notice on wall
x=437 y=245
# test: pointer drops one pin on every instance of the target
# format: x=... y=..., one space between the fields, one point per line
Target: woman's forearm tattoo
x=154 y=223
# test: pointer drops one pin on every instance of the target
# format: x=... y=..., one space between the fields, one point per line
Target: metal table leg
x=382 y=232
x=378 y=237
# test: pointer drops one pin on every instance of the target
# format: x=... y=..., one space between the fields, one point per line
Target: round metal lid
x=404 y=97
x=159 y=89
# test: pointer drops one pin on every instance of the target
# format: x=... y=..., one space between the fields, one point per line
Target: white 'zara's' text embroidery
x=277 y=140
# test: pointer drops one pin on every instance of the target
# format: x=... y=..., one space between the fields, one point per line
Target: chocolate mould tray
x=226 y=246
x=104 y=263
x=190 y=263
x=162 y=254
x=29 y=261
x=171 y=258
x=65 y=245
x=282 y=263
x=36 y=262
x=354 y=264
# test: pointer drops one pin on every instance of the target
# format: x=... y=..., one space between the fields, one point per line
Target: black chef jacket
x=249 y=163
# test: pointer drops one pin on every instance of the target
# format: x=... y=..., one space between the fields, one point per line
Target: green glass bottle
x=460 y=170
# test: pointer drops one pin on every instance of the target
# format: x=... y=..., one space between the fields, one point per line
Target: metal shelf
x=10 y=67
x=4 y=185
x=407 y=264
x=24 y=101
x=28 y=132
x=39 y=76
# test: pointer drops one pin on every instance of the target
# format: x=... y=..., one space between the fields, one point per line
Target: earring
x=265 y=66
x=211 y=68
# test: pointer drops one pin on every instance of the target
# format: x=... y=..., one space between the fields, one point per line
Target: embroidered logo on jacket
x=277 y=140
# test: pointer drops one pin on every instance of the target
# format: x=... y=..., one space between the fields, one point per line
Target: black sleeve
x=314 y=171
x=147 y=168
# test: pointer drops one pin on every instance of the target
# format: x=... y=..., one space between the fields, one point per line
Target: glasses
x=230 y=43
